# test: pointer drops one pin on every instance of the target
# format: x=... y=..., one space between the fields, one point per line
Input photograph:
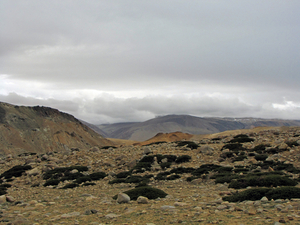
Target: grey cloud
x=247 y=50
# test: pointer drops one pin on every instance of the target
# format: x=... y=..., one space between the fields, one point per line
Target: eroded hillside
x=43 y=129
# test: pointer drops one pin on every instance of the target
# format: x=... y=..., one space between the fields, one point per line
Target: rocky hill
x=142 y=131
x=42 y=129
x=234 y=177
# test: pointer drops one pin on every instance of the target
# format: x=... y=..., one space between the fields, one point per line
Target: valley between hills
x=56 y=170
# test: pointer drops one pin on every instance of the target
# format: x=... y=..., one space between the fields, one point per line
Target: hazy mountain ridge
x=141 y=131
x=42 y=129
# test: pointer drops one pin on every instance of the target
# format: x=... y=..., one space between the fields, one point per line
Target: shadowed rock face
x=43 y=129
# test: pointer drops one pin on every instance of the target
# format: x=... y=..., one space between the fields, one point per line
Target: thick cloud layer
x=111 y=61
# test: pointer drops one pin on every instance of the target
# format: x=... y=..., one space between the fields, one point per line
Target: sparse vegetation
x=188 y=144
x=183 y=158
x=15 y=171
x=146 y=191
x=257 y=193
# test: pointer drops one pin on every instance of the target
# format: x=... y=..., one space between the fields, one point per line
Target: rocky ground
x=199 y=201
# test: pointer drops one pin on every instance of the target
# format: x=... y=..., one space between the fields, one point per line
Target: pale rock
x=33 y=172
x=74 y=171
x=147 y=150
x=94 y=149
x=142 y=200
x=264 y=199
x=206 y=150
x=10 y=199
x=180 y=204
x=123 y=198
x=2 y=199
x=111 y=216
x=167 y=207
x=222 y=207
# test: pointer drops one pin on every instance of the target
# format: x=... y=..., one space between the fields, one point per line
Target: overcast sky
x=107 y=61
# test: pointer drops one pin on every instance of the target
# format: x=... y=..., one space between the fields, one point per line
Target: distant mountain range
x=141 y=131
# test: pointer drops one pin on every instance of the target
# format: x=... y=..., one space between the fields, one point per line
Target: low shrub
x=162 y=175
x=183 y=158
x=68 y=176
x=146 y=191
x=15 y=171
x=51 y=182
x=88 y=184
x=205 y=169
x=188 y=144
x=261 y=157
x=141 y=167
x=134 y=179
x=173 y=177
x=165 y=165
x=262 y=181
x=181 y=170
x=233 y=146
x=117 y=181
x=226 y=178
x=292 y=143
x=82 y=179
x=241 y=170
x=227 y=155
x=107 y=147
x=255 y=194
x=239 y=158
x=97 y=175
x=71 y=185
x=123 y=174
x=241 y=138
x=64 y=171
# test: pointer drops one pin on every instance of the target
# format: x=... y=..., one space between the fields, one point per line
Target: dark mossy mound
x=292 y=143
x=241 y=138
x=123 y=174
x=183 y=158
x=239 y=158
x=167 y=176
x=141 y=167
x=51 y=182
x=233 y=147
x=88 y=184
x=107 y=147
x=261 y=157
x=83 y=179
x=278 y=166
x=146 y=191
x=3 y=188
x=159 y=157
x=71 y=185
x=97 y=175
x=156 y=143
x=262 y=181
x=188 y=144
x=271 y=193
x=57 y=175
x=15 y=171
x=205 y=169
x=181 y=170
x=63 y=172
x=131 y=179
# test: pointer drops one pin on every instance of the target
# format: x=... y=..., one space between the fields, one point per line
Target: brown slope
x=168 y=137
x=43 y=129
